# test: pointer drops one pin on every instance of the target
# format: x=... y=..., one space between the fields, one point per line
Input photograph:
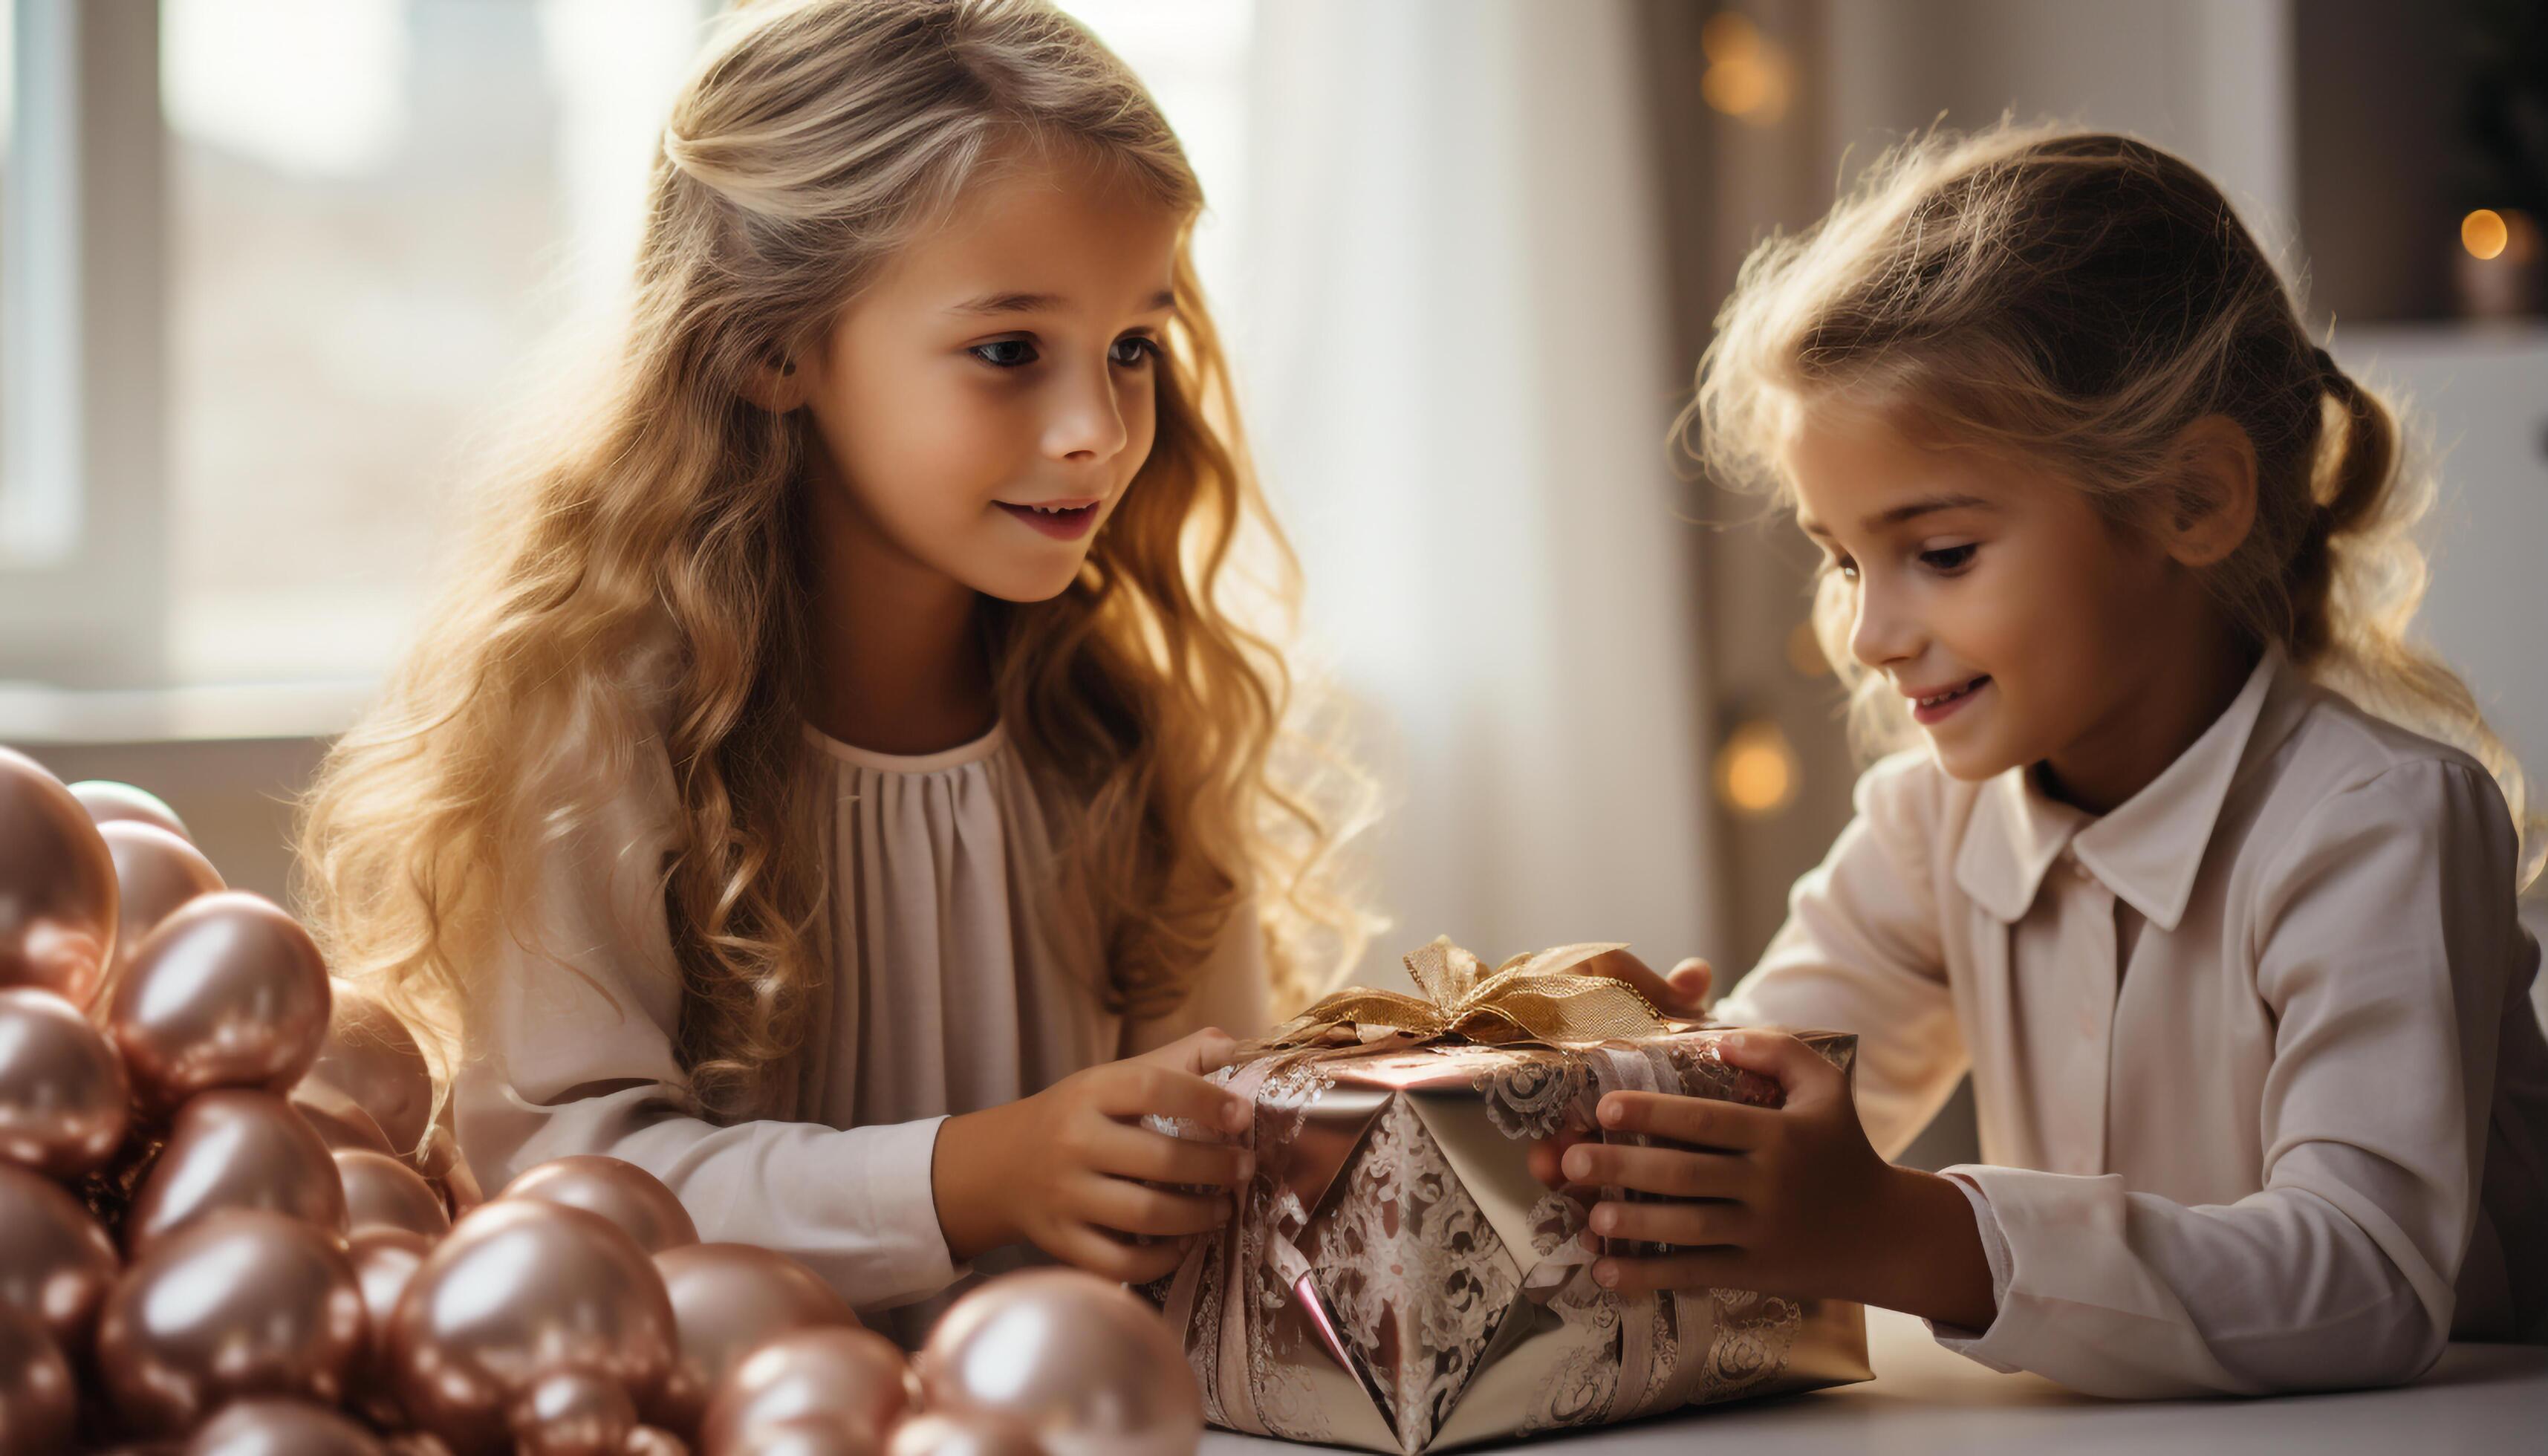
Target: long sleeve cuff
x=1954 y=1337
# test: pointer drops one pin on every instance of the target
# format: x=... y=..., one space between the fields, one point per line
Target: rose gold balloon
x=808 y=1436
x=37 y=1397
x=372 y=1057
x=156 y=872
x=63 y=1102
x=269 y=1427
x=227 y=992
x=58 y=902
x=385 y=1260
x=854 y=1375
x=623 y=1192
x=337 y=1120
x=418 y=1443
x=109 y=802
x=520 y=1289
x=728 y=1300
x=938 y=1434
x=573 y=1412
x=447 y=1169
x=652 y=1440
x=56 y=1263
x=235 y=1149
x=1084 y=1365
x=242 y=1303
x=379 y=1188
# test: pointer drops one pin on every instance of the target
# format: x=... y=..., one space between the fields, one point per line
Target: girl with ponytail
x=2199 y=864
x=844 y=779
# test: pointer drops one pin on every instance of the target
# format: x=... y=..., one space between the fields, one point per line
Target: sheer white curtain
x=1452 y=341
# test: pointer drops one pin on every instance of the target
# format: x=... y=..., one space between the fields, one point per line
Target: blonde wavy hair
x=643 y=567
x=2079 y=298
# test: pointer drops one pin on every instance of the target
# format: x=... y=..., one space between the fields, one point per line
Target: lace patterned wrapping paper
x=1398 y=1281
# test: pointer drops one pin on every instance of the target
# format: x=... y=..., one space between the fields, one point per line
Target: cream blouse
x=948 y=993
x=2263 y=1099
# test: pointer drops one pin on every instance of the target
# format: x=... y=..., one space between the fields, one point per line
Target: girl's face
x=983 y=407
x=2022 y=625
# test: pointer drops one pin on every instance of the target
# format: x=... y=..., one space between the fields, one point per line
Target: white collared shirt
x=2264 y=1101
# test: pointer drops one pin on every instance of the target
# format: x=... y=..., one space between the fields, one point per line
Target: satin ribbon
x=1535 y=998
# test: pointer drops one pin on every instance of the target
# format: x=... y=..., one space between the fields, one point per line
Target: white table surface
x=2480 y=1398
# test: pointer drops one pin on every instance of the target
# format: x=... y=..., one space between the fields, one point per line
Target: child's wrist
x=1934 y=1265
x=968 y=1216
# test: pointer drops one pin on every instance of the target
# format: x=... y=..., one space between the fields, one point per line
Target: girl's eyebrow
x=1907 y=511
x=1041 y=302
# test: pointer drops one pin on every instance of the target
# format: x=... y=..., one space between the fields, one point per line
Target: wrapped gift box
x=1396 y=1279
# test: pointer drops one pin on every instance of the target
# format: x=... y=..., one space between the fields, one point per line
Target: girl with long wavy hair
x=2196 y=860
x=843 y=782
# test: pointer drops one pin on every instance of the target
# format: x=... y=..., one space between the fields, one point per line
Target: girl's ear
x=2214 y=504
x=777 y=384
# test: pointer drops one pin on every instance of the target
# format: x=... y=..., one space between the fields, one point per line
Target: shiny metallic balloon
x=227 y=992
x=241 y=1302
x=652 y=1440
x=937 y=1435
x=1085 y=1366
x=571 y=1412
x=522 y=1287
x=275 y=1427
x=728 y=1300
x=236 y=1149
x=380 y=1189
x=620 y=1191
x=156 y=872
x=373 y=1058
x=385 y=1261
x=808 y=1436
x=852 y=1375
x=37 y=1397
x=56 y=1263
x=57 y=899
x=64 y=1100
x=338 y=1122
x=110 y=802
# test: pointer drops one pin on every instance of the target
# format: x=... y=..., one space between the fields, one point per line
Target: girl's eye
x=1134 y=352
x=1949 y=560
x=1004 y=353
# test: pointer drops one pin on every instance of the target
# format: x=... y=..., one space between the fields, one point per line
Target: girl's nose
x=1087 y=419
x=1883 y=632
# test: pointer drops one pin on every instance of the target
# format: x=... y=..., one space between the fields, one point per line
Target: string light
x=1756 y=770
x=1749 y=76
x=2484 y=234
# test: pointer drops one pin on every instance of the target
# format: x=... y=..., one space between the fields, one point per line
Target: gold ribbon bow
x=1534 y=998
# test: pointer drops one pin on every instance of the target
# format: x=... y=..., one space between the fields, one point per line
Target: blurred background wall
x=271 y=271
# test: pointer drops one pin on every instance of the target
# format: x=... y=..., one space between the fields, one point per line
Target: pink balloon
x=56 y=1263
x=242 y=1303
x=855 y=1376
x=519 y=1290
x=109 y=802
x=156 y=872
x=371 y=1057
x=808 y=1436
x=947 y=1435
x=337 y=1120
x=57 y=898
x=385 y=1261
x=620 y=1191
x=380 y=1189
x=37 y=1399
x=1086 y=1366
x=649 y=1440
x=227 y=992
x=271 y=1427
x=729 y=1300
x=64 y=1100
x=235 y=1149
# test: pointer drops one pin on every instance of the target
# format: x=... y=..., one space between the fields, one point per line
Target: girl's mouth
x=1937 y=707
x=1061 y=520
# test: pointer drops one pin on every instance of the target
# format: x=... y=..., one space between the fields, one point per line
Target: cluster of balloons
x=229 y=1223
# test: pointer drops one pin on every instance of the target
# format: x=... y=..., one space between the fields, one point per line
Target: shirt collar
x=2148 y=850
